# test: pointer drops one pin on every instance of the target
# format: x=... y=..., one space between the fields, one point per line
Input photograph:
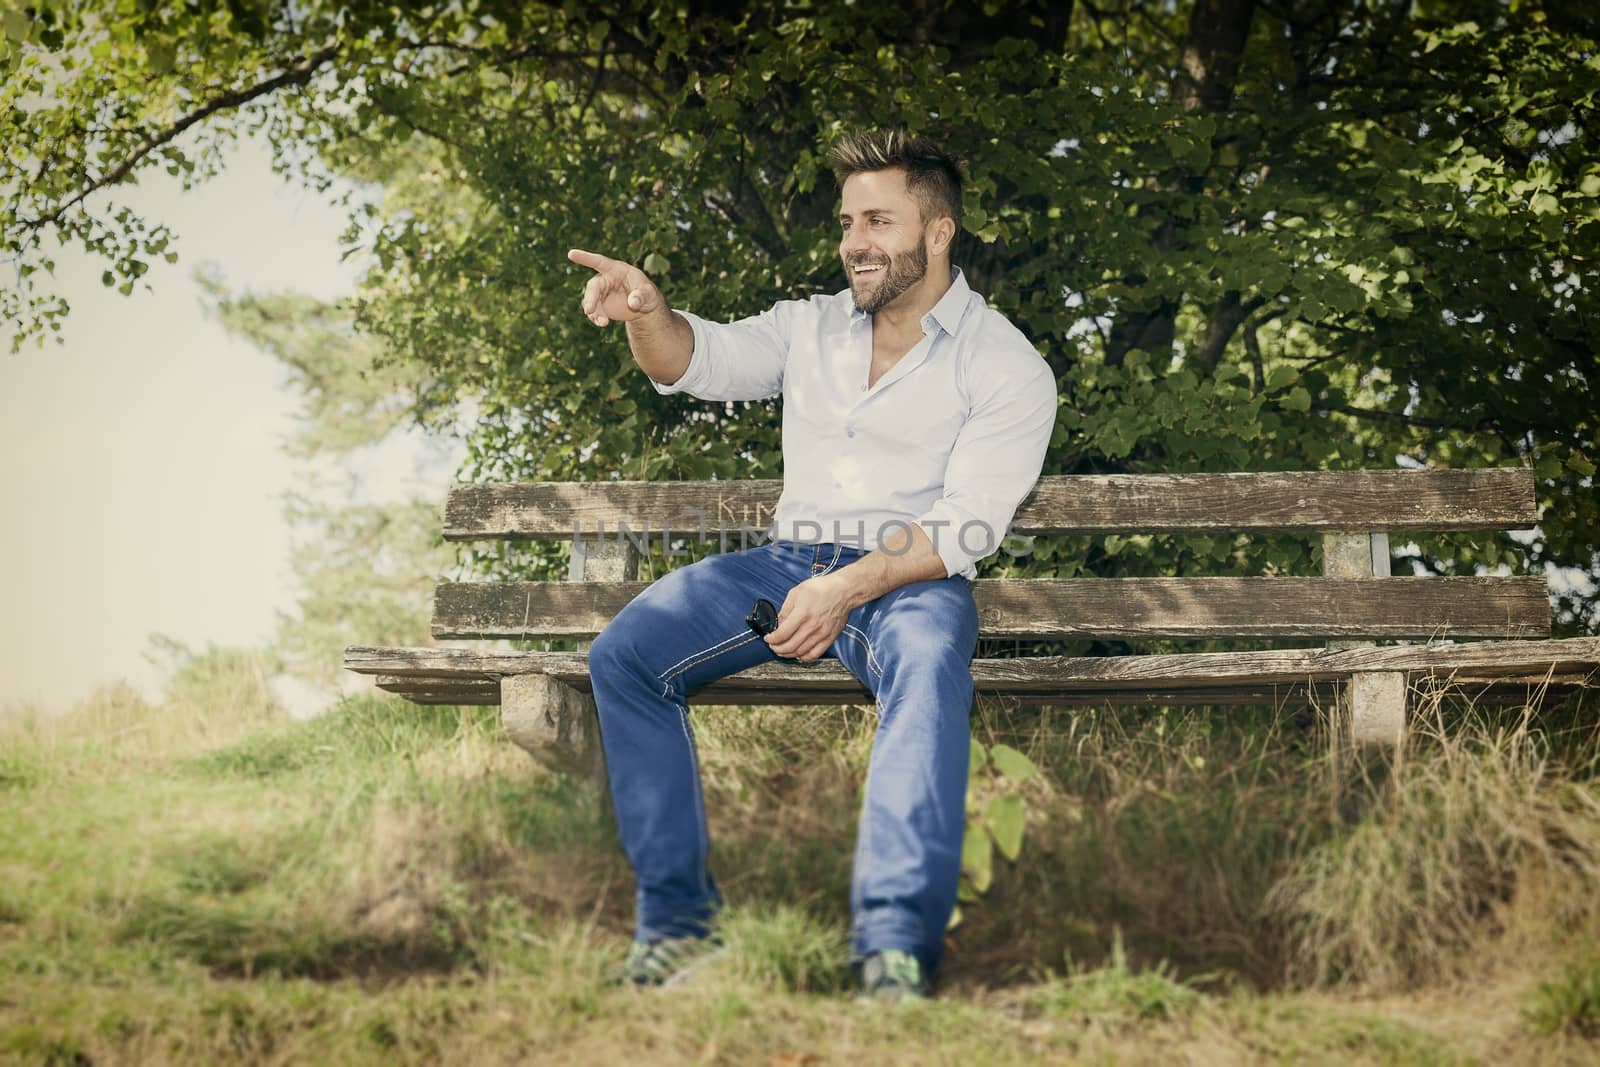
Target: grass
x=203 y=880
x=1569 y=1003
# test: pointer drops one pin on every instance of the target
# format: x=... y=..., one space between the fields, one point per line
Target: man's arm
x=683 y=353
x=997 y=458
x=661 y=339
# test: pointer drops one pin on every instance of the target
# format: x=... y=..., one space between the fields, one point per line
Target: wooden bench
x=1497 y=628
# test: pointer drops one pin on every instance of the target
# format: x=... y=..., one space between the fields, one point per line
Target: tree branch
x=1258 y=374
x=1203 y=81
x=1222 y=325
x=298 y=73
x=1396 y=416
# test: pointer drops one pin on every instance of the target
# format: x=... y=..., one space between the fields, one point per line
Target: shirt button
x=849 y=433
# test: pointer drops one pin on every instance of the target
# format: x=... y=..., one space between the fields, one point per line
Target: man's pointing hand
x=618 y=291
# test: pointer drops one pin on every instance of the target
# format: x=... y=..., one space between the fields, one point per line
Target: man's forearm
x=662 y=342
x=905 y=556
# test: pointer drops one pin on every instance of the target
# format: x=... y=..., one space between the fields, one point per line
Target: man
x=915 y=419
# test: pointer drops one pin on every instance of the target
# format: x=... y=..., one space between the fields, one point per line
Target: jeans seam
x=863 y=840
x=704 y=654
x=855 y=634
x=816 y=572
x=699 y=800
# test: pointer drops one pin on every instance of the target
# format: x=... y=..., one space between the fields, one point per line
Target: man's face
x=881 y=240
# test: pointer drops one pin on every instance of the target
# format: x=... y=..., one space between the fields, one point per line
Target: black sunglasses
x=763 y=619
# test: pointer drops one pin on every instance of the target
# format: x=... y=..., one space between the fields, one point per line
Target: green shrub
x=1569 y=1003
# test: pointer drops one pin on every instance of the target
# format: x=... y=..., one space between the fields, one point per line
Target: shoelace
x=657 y=962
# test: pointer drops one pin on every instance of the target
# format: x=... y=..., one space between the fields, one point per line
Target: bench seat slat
x=1304 y=501
x=1109 y=608
x=1565 y=662
x=1514 y=693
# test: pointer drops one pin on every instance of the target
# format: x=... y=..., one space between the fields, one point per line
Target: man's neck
x=902 y=317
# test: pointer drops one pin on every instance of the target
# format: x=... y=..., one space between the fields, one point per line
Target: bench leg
x=1369 y=736
x=555 y=724
x=1377 y=711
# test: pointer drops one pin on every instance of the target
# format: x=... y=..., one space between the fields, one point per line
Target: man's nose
x=854 y=241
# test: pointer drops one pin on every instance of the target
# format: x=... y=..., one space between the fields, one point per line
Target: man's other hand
x=618 y=292
x=812 y=617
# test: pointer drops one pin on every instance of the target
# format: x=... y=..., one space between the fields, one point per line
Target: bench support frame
x=550 y=720
x=1369 y=721
x=553 y=723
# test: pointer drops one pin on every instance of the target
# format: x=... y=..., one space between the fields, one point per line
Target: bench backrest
x=1352 y=511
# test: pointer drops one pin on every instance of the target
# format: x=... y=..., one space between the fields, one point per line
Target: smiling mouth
x=860 y=271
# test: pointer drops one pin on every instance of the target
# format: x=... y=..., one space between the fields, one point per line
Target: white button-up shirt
x=951 y=438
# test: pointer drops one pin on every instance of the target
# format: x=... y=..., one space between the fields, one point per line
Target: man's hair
x=933 y=176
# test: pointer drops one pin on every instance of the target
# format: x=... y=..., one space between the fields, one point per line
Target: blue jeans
x=911 y=648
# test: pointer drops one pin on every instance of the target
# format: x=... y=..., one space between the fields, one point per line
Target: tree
x=366 y=567
x=1246 y=235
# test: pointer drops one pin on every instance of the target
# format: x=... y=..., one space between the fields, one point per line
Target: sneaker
x=668 y=961
x=893 y=975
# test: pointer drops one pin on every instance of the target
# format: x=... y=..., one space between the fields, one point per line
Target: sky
x=141 y=461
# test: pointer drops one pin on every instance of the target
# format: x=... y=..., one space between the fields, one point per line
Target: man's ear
x=942 y=235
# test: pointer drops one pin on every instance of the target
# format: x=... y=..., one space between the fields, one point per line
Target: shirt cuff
x=955 y=537
x=699 y=366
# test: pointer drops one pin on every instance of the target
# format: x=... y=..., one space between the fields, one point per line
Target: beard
x=900 y=274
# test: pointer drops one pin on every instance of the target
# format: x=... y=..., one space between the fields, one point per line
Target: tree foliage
x=1246 y=235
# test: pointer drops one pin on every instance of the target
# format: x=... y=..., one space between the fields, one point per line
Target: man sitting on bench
x=915 y=419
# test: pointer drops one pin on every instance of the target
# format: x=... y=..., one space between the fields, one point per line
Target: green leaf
x=656 y=263
x=1298 y=399
x=1005 y=819
x=1548 y=468
x=977 y=856
x=16 y=24
x=1012 y=764
x=976 y=758
x=1279 y=377
x=163 y=55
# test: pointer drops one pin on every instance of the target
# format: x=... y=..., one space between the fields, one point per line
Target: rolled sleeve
x=996 y=460
x=741 y=360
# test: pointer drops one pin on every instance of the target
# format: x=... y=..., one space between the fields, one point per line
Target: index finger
x=592 y=260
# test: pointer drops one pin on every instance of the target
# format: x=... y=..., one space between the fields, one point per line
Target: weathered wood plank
x=1307 y=501
x=1112 y=608
x=424 y=690
x=1572 y=660
x=441 y=689
x=1287 y=695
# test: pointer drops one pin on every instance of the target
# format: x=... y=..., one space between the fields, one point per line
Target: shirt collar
x=952 y=306
x=948 y=312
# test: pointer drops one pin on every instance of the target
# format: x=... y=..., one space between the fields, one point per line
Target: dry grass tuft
x=1483 y=829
